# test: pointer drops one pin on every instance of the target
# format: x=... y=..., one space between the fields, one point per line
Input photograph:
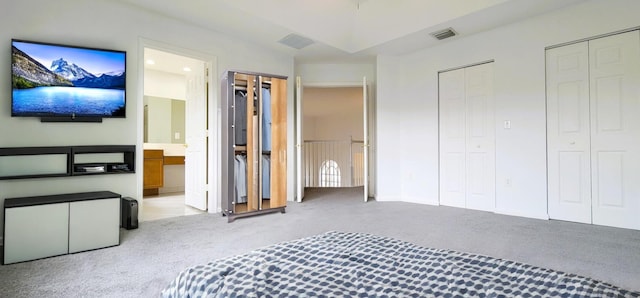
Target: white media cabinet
x=46 y=226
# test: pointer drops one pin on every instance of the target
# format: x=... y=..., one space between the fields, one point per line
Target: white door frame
x=365 y=137
x=299 y=140
x=213 y=116
x=370 y=193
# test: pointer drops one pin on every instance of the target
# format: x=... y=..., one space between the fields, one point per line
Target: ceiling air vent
x=296 y=41
x=442 y=34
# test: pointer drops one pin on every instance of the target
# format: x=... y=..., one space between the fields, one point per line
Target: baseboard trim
x=406 y=199
x=420 y=200
x=522 y=214
x=171 y=189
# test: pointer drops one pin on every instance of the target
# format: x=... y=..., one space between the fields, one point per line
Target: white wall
x=333 y=113
x=333 y=127
x=335 y=75
x=164 y=84
x=111 y=25
x=159 y=120
x=391 y=108
x=408 y=104
x=165 y=120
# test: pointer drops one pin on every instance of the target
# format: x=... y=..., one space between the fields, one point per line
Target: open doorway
x=333 y=134
x=168 y=94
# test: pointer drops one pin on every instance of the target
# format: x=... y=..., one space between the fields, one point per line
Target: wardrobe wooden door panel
x=452 y=138
x=568 y=133
x=615 y=130
x=253 y=148
x=279 y=142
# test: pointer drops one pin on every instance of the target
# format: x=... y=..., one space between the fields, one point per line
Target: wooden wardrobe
x=254 y=144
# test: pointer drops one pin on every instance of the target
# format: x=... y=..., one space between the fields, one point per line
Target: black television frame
x=44 y=117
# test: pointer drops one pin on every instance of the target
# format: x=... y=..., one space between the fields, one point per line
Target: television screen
x=50 y=80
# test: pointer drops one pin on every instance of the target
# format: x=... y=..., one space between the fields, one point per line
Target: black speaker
x=129 y=214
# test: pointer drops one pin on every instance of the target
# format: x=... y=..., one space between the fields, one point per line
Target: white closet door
x=568 y=133
x=452 y=138
x=480 y=143
x=615 y=131
x=467 y=138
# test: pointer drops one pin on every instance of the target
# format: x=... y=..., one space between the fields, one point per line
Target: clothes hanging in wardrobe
x=240 y=178
x=266 y=176
x=266 y=119
x=240 y=124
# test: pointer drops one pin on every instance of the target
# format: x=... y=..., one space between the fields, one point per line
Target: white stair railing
x=333 y=163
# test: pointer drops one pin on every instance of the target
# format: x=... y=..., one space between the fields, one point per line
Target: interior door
x=365 y=143
x=452 y=138
x=467 y=138
x=480 y=138
x=593 y=128
x=195 y=194
x=299 y=142
x=614 y=67
x=568 y=133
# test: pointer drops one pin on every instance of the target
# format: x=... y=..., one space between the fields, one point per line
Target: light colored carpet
x=150 y=257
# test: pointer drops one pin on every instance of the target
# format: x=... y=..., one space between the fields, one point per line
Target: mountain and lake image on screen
x=56 y=80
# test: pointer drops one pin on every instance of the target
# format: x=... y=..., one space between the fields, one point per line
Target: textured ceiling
x=348 y=30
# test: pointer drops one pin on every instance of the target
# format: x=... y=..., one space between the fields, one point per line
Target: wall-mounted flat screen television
x=67 y=82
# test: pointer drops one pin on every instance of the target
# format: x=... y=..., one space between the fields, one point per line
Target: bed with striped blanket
x=337 y=264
